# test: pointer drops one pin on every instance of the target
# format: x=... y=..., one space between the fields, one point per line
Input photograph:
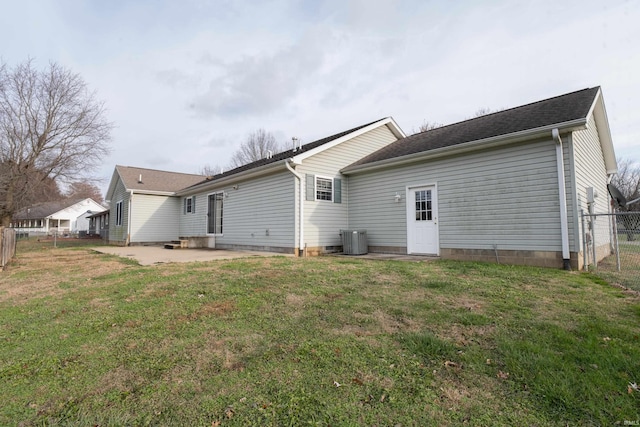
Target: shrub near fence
x=7 y=245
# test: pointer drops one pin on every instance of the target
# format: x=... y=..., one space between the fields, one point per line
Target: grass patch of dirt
x=58 y=271
x=86 y=339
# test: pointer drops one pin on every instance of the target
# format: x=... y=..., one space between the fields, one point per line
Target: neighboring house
x=143 y=205
x=508 y=186
x=99 y=224
x=65 y=216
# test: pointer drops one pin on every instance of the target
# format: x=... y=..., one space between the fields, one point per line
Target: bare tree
x=627 y=180
x=255 y=147
x=46 y=191
x=483 y=111
x=208 y=170
x=425 y=126
x=83 y=190
x=51 y=127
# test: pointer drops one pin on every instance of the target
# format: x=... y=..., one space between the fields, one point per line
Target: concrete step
x=177 y=244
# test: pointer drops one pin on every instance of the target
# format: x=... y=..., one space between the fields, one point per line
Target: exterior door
x=214 y=213
x=422 y=221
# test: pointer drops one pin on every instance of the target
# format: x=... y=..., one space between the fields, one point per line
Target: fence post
x=593 y=240
x=615 y=239
x=584 y=242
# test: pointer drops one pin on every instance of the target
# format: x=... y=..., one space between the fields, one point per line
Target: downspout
x=301 y=213
x=564 y=222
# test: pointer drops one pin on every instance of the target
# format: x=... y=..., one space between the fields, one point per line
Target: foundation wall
x=533 y=258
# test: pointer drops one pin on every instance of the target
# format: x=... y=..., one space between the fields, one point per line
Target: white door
x=422 y=221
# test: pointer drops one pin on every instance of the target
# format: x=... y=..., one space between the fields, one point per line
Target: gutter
x=564 y=223
x=464 y=147
x=301 y=246
x=128 y=240
x=249 y=173
x=153 y=192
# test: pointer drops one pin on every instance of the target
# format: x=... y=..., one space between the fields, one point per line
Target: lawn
x=89 y=339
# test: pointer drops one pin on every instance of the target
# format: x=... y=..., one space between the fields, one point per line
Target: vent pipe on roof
x=269 y=154
x=295 y=140
x=140 y=179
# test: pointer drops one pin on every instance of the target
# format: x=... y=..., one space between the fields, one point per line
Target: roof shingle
x=155 y=180
x=557 y=110
x=283 y=155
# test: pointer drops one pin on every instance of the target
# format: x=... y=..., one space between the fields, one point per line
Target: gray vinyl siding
x=194 y=224
x=154 y=218
x=119 y=233
x=506 y=196
x=258 y=205
x=590 y=171
x=324 y=219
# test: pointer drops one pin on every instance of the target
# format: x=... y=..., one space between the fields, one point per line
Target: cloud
x=259 y=84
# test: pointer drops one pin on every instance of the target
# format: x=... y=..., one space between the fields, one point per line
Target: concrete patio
x=153 y=255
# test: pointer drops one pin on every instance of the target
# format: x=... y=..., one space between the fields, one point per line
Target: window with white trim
x=119 y=213
x=324 y=188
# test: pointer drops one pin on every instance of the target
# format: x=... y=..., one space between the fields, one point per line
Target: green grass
x=629 y=274
x=322 y=341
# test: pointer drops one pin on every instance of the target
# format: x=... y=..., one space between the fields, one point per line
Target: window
x=189 y=205
x=214 y=213
x=423 y=205
x=119 y=213
x=324 y=188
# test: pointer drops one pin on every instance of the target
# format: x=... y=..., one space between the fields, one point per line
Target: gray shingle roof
x=557 y=110
x=283 y=155
x=43 y=210
x=155 y=180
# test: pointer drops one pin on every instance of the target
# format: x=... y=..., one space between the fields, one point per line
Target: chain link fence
x=611 y=247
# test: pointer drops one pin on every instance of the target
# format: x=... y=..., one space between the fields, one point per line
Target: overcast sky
x=186 y=81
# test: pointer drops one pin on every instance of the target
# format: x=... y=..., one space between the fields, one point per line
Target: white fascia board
x=389 y=122
x=152 y=193
x=495 y=141
x=604 y=133
x=231 y=179
x=112 y=183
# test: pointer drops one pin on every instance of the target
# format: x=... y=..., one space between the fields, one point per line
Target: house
x=508 y=186
x=144 y=208
x=63 y=216
x=99 y=224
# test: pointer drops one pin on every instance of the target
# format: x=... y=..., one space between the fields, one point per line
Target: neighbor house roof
x=568 y=111
x=46 y=209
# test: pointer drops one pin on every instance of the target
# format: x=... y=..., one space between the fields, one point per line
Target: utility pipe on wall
x=301 y=214
x=128 y=238
x=564 y=222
